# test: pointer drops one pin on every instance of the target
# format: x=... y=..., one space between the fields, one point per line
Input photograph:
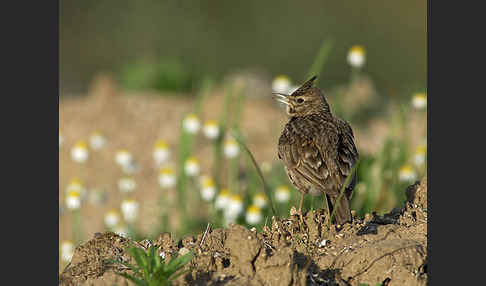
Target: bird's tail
x=343 y=211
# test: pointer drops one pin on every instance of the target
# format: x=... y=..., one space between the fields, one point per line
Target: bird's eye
x=300 y=100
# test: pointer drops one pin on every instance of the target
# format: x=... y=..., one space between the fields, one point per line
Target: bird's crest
x=305 y=87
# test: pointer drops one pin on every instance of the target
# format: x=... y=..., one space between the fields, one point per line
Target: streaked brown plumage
x=317 y=149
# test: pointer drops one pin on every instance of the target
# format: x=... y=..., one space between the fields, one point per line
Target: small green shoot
x=151 y=269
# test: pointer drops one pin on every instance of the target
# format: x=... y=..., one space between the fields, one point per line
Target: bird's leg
x=301 y=202
x=300 y=208
x=328 y=207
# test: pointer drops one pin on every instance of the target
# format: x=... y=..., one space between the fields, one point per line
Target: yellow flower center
x=81 y=145
x=208 y=182
x=357 y=49
x=282 y=78
x=211 y=123
x=224 y=193
x=161 y=144
x=166 y=171
x=73 y=194
x=236 y=198
x=76 y=181
x=406 y=169
x=192 y=116
x=192 y=160
x=253 y=209
x=283 y=189
x=230 y=142
x=260 y=197
x=421 y=149
x=113 y=212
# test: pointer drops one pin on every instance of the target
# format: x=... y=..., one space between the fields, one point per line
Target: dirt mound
x=389 y=249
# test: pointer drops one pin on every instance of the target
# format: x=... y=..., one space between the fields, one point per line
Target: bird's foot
x=295 y=212
x=301 y=215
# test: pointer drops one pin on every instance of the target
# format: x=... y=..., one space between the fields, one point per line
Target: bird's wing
x=347 y=152
x=302 y=155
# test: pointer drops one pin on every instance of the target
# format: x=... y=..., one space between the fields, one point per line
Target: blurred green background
x=192 y=39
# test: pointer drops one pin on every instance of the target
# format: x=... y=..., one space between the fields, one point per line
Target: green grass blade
x=204 y=91
x=266 y=188
x=321 y=58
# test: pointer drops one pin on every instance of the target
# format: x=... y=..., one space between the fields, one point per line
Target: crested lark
x=317 y=149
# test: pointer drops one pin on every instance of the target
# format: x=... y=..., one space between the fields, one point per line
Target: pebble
x=183 y=251
x=323 y=243
x=293 y=211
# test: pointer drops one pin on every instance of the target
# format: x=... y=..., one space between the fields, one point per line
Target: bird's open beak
x=280 y=97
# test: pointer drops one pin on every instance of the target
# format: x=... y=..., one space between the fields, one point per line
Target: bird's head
x=306 y=100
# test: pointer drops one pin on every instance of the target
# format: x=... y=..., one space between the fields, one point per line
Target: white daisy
x=129 y=208
x=281 y=84
x=112 y=218
x=260 y=200
x=97 y=140
x=191 y=124
x=191 y=166
x=357 y=56
x=211 y=129
x=208 y=189
x=123 y=157
x=73 y=200
x=407 y=174
x=161 y=152
x=231 y=148
x=282 y=194
x=419 y=101
x=253 y=215
x=419 y=156
x=234 y=207
x=222 y=199
x=167 y=178
x=127 y=184
x=79 y=153
x=67 y=251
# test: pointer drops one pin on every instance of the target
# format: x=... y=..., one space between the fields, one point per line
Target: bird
x=317 y=149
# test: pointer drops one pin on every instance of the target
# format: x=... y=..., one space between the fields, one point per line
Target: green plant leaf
x=175 y=275
x=133 y=279
x=141 y=258
x=178 y=262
